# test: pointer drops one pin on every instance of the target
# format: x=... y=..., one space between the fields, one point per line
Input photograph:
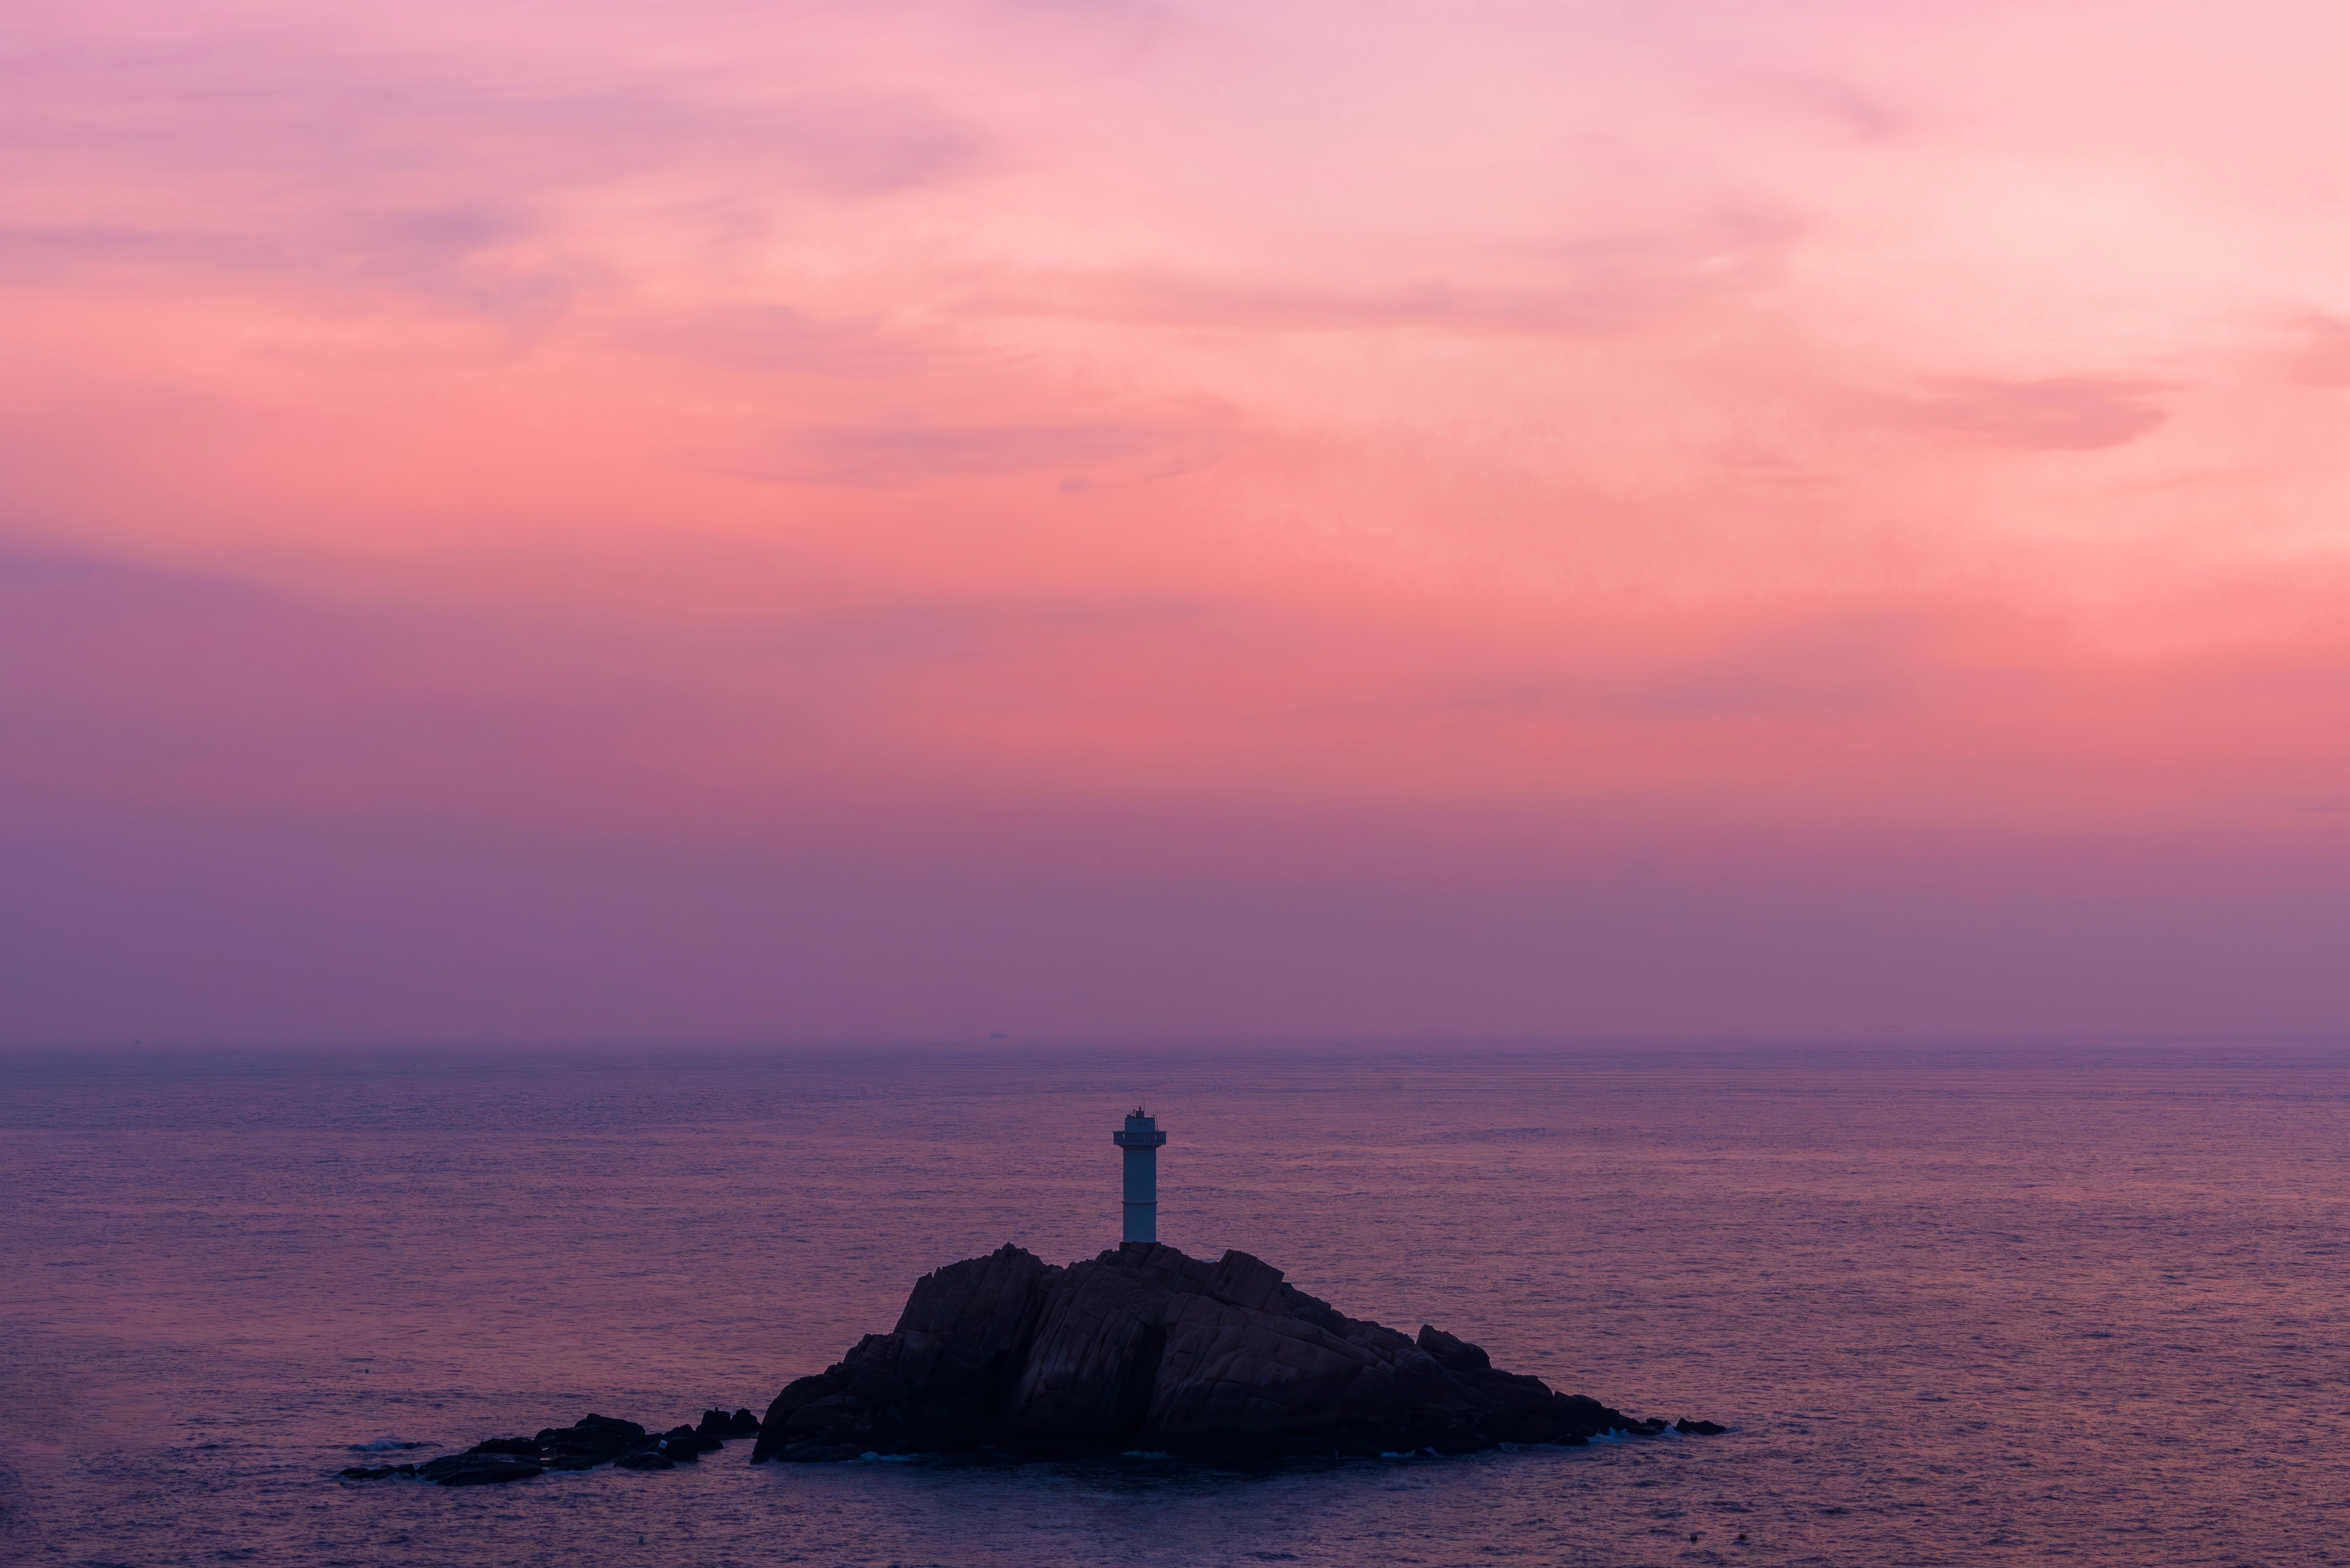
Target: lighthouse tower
x=1140 y=1138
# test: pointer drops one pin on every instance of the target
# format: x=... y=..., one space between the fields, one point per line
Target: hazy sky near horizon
x=1118 y=519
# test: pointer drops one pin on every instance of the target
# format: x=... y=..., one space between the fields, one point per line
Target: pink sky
x=1100 y=519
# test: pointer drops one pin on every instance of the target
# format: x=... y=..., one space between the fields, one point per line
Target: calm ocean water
x=1958 y=1307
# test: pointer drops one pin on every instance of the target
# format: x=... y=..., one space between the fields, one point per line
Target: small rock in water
x=718 y=1424
x=1698 y=1429
x=645 y=1461
x=590 y=1441
x=491 y=1475
x=476 y=1470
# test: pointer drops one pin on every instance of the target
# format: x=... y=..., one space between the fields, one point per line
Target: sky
x=1087 y=520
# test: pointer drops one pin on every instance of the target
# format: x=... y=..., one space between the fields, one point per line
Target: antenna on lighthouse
x=1140 y=1138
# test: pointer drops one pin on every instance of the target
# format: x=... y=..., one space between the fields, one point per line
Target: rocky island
x=1143 y=1348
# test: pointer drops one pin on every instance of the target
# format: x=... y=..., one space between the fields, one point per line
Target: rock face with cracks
x=1145 y=1349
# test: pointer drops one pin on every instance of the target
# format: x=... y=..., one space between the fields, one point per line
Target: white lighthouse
x=1140 y=1138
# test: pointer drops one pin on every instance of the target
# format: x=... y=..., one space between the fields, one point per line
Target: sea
x=1957 y=1304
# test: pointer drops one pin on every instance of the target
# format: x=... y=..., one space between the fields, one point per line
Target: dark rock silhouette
x=478 y=1468
x=685 y=1445
x=720 y=1425
x=1454 y=1355
x=592 y=1440
x=1144 y=1349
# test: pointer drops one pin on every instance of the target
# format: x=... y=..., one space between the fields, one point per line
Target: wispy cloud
x=2323 y=359
x=1592 y=286
x=891 y=455
x=2057 y=413
x=1545 y=426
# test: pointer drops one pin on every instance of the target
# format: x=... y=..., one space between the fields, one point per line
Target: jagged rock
x=1457 y=1354
x=1143 y=1348
x=944 y=1372
x=476 y=1470
x=591 y=1440
x=1241 y=1280
x=490 y=1475
x=686 y=1445
x=720 y=1425
x=1698 y=1429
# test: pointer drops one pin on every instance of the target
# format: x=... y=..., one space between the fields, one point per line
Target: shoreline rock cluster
x=1144 y=1349
x=584 y=1444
